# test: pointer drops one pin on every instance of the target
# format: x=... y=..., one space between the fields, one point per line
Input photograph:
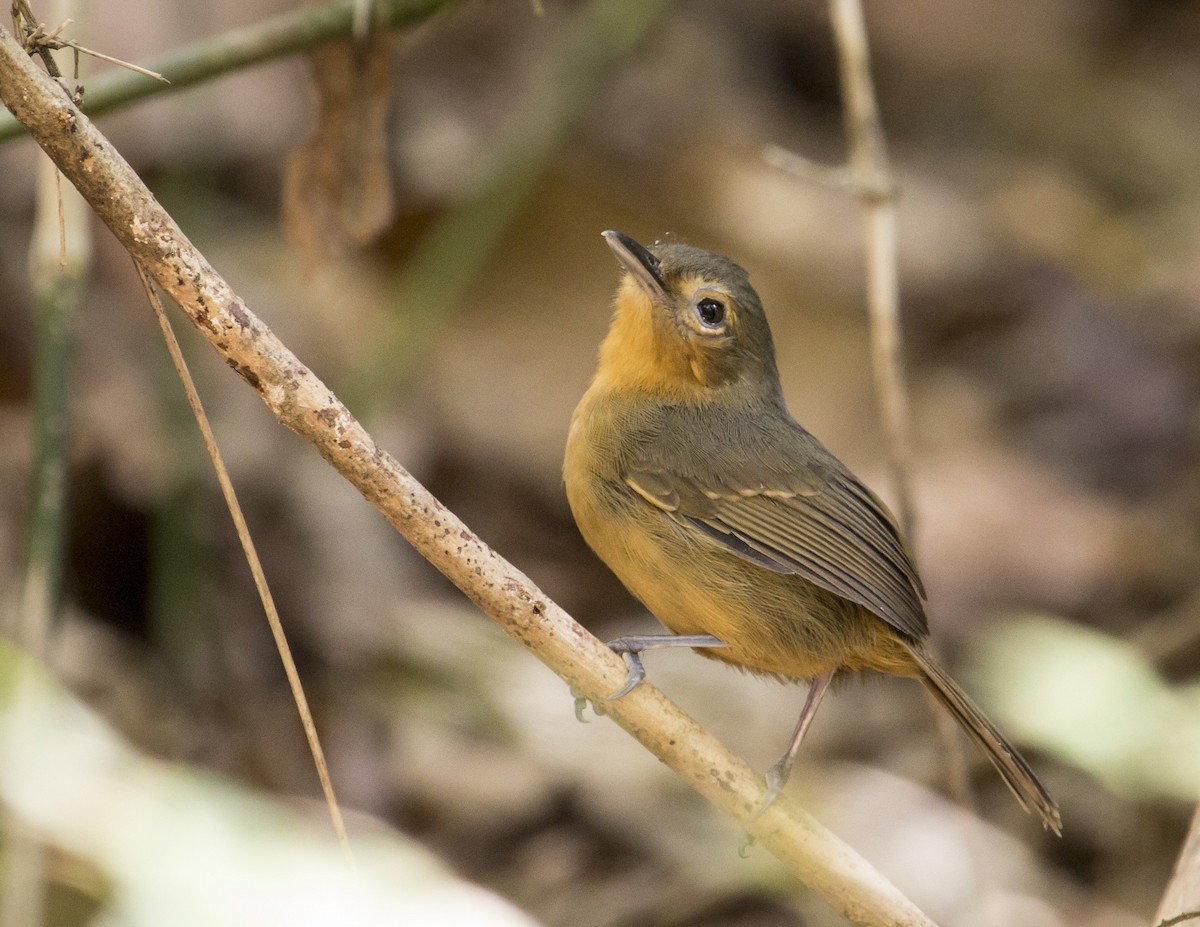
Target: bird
x=735 y=527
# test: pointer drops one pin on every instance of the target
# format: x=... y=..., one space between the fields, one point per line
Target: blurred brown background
x=1046 y=154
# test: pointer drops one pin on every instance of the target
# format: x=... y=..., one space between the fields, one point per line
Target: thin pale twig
x=827 y=175
x=128 y=65
x=31 y=31
x=260 y=580
x=39 y=39
x=869 y=163
x=876 y=189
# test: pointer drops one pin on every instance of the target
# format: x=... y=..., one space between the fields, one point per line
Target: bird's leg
x=633 y=646
x=777 y=775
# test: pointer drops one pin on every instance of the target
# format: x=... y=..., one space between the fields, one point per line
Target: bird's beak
x=638 y=262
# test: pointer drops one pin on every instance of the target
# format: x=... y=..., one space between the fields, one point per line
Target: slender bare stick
x=869 y=177
x=299 y=400
x=28 y=27
x=827 y=175
x=251 y=554
x=875 y=186
x=873 y=180
x=127 y=65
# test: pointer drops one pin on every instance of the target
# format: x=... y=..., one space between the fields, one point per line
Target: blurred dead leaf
x=336 y=189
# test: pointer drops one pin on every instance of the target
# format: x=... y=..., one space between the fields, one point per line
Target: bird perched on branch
x=733 y=525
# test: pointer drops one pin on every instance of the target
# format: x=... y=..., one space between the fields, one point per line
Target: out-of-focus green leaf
x=1094 y=701
x=184 y=847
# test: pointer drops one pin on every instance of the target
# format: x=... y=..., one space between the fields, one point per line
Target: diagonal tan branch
x=304 y=404
x=251 y=553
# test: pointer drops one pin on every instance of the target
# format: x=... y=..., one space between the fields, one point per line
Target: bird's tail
x=1013 y=769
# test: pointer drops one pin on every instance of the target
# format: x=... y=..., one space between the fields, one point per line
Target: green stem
x=55 y=330
x=60 y=257
x=58 y=280
x=236 y=49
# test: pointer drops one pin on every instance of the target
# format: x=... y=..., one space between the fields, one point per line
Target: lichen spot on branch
x=141 y=230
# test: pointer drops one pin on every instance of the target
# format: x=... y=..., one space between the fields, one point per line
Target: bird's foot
x=633 y=662
x=631 y=649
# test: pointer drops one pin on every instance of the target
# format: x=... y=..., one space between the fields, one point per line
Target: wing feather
x=840 y=536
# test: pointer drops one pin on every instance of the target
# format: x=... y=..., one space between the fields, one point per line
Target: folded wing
x=826 y=527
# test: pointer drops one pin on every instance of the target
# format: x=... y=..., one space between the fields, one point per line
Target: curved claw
x=777 y=777
x=631 y=647
x=637 y=672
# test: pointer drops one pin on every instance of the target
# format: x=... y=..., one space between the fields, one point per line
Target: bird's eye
x=710 y=311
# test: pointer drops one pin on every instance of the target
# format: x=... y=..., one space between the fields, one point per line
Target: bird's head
x=687 y=325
